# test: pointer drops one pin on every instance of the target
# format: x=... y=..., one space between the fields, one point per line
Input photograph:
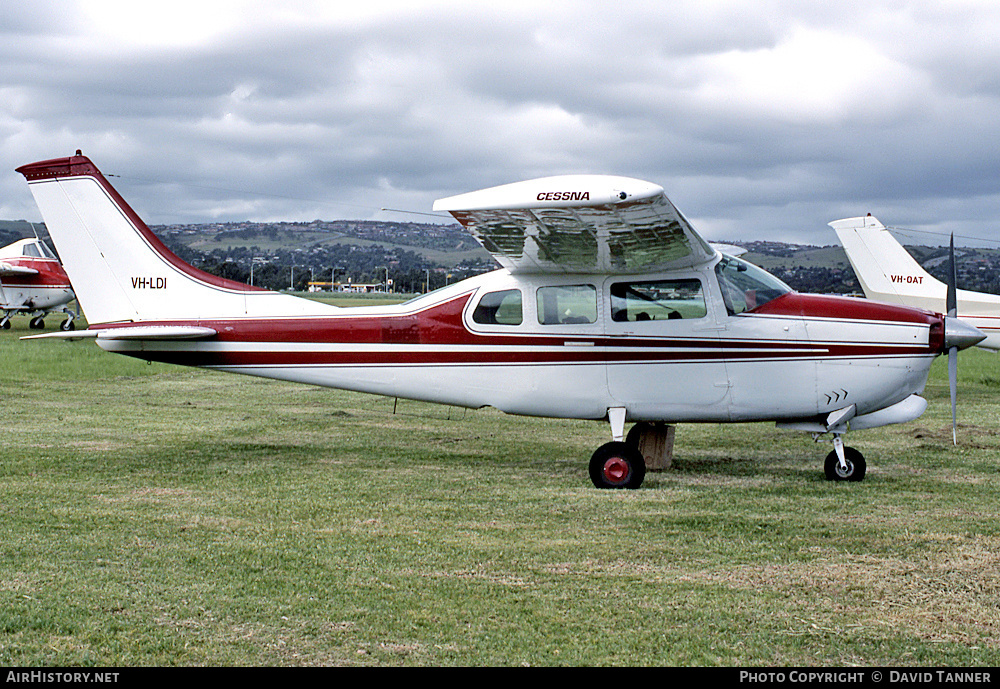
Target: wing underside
x=624 y=233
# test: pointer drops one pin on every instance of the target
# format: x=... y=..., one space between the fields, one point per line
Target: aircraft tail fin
x=120 y=270
x=886 y=271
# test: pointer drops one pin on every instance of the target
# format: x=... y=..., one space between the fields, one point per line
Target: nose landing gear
x=844 y=463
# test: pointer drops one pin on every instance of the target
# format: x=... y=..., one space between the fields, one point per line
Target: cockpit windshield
x=745 y=286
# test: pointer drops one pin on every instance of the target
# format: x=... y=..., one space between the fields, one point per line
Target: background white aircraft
x=608 y=306
x=887 y=272
x=32 y=281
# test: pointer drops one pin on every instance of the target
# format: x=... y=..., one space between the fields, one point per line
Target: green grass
x=153 y=515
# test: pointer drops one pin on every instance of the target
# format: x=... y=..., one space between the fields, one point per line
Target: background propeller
x=957 y=335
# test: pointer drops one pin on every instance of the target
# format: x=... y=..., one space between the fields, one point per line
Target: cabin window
x=745 y=286
x=499 y=308
x=31 y=250
x=564 y=304
x=658 y=300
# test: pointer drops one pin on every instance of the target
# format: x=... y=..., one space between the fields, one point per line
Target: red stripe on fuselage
x=402 y=339
x=494 y=358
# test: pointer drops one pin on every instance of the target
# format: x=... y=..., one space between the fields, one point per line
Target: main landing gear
x=617 y=464
x=38 y=322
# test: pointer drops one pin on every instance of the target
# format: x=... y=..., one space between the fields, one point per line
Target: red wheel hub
x=615 y=470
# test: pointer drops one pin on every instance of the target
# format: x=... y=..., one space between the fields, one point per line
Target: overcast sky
x=762 y=120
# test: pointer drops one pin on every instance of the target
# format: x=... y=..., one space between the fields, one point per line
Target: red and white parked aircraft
x=608 y=306
x=32 y=281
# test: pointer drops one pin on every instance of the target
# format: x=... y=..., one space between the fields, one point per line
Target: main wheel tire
x=856 y=466
x=617 y=465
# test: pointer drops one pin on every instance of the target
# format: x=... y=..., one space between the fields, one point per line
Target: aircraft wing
x=9 y=269
x=580 y=224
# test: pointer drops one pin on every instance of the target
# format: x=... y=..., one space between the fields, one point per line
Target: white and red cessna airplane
x=608 y=306
x=32 y=281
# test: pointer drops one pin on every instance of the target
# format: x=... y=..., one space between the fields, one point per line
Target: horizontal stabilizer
x=64 y=335
x=139 y=332
x=157 y=332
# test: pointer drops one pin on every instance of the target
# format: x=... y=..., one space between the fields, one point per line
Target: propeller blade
x=952 y=297
x=951 y=303
x=953 y=388
x=952 y=306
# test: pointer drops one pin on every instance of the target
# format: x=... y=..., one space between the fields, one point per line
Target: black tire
x=36 y=323
x=617 y=465
x=856 y=466
x=67 y=325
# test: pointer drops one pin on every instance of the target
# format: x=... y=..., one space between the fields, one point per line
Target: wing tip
x=857 y=223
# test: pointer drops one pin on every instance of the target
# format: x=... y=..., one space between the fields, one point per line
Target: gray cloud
x=762 y=120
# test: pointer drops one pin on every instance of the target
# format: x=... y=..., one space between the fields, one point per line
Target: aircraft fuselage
x=567 y=347
x=31 y=281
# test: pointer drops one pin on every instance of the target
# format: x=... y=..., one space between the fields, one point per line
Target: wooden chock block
x=656 y=443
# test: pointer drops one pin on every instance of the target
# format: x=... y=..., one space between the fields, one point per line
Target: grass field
x=154 y=515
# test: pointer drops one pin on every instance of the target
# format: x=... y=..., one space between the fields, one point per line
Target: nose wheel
x=844 y=463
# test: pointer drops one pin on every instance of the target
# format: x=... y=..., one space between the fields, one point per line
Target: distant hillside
x=805 y=268
x=12 y=230
x=441 y=244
